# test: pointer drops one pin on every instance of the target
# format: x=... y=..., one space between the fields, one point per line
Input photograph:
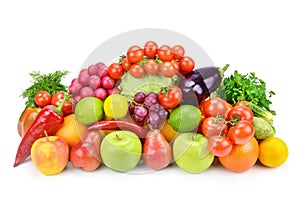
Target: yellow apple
x=50 y=154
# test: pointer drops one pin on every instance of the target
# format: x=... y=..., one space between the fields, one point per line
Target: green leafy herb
x=248 y=87
x=44 y=82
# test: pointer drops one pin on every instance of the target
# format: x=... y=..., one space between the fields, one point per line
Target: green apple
x=190 y=152
x=121 y=150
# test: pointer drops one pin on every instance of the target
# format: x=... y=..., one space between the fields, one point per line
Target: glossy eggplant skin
x=198 y=84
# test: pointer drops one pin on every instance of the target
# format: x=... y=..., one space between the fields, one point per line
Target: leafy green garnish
x=247 y=87
x=44 y=82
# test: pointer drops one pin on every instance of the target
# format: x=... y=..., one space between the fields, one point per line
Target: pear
x=157 y=152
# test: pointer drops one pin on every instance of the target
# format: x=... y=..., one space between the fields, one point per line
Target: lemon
x=185 y=118
x=115 y=106
x=89 y=110
x=273 y=152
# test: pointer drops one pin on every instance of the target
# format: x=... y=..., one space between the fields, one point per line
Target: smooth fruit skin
x=50 y=154
x=190 y=152
x=121 y=150
x=242 y=157
x=273 y=152
x=157 y=152
x=86 y=153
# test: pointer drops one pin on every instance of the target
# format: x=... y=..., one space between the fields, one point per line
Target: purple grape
x=140 y=97
x=151 y=99
x=131 y=108
x=141 y=111
x=87 y=92
x=94 y=82
x=154 y=108
x=163 y=114
x=113 y=91
x=83 y=78
x=153 y=119
x=138 y=119
x=102 y=72
x=101 y=93
x=75 y=86
x=93 y=70
x=107 y=82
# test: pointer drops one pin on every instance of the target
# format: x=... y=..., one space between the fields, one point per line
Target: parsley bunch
x=247 y=87
x=44 y=82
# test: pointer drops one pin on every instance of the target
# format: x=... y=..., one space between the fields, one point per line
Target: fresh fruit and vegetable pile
x=152 y=107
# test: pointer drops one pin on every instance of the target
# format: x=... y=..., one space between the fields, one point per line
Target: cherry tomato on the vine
x=214 y=126
x=165 y=53
x=135 y=54
x=150 y=49
x=42 y=98
x=213 y=107
x=151 y=67
x=219 y=145
x=126 y=64
x=176 y=65
x=240 y=113
x=137 y=71
x=57 y=99
x=115 y=71
x=167 y=69
x=178 y=52
x=187 y=64
x=170 y=97
x=242 y=132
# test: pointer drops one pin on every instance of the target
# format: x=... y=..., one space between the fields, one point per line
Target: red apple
x=86 y=153
x=50 y=154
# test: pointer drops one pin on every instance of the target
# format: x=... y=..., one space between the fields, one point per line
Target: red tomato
x=187 y=64
x=126 y=64
x=242 y=132
x=170 y=97
x=135 y=54
x=178 y=52
x=42 y=98
x=165 y=53
x=240 y=113
x=213 y=107
x=219 y=145
x=137 y=71
x=57 y=99
x=167 y=69
x=151 y=67
x=176 y=65
x=150 y=49
x=214 y=126
x=241 y=103
x=115 y=71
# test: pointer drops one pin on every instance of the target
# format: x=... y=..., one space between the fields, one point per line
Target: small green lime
x=185 y=118
x=89 y=110
x=115 y=106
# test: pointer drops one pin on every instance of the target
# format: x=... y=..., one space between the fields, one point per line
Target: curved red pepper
x=49 y=119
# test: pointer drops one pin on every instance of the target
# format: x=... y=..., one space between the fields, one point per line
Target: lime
x=89 y=110
x=185 y=118
x=115 y=106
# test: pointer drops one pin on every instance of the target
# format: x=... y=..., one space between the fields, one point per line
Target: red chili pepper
x=49 y=119
x=140 y=131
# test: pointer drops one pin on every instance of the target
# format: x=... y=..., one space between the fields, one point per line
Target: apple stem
x=117 y=136
x=46 y=134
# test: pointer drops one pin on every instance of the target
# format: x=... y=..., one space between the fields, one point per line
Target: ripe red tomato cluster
x=43 y=98
x=225 y=126
x=151 y=60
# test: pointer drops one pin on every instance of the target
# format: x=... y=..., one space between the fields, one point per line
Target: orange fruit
x=169 y=132
x=273 y=152
x=242 y=157
x=72 y=130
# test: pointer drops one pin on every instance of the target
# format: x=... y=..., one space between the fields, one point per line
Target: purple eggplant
x=198 y=84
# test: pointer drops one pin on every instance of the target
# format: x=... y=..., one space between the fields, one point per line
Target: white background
x=259 y=36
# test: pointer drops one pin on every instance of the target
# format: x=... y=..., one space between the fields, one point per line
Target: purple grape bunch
x=93 y=82
x=145 y=107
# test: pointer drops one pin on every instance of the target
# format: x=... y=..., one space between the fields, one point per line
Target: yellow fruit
x=115 y=106
x=72 y=130
x=273 y=152
x=169 y=132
